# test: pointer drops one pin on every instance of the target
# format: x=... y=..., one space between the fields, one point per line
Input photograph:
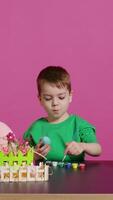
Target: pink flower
x=11 y=137
x=24 y=151
x=26 y=143
x=5 y=150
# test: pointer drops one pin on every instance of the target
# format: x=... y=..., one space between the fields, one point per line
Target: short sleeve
x=88 y=135
x=87 y=131
x=28 y=136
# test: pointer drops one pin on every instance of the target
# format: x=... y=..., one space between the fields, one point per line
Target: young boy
x=70 y=135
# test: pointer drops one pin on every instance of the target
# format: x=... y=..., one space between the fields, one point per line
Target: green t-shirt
x=73 y=128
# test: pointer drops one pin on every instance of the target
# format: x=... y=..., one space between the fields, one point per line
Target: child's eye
x=62 y=97
x=47 y=99
x=50 y=98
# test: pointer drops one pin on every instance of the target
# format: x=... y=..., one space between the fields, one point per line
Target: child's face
x=55 y=100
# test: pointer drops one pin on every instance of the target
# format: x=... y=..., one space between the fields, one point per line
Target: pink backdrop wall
x=75 y=34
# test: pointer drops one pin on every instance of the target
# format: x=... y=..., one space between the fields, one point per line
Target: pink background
x=75 y=34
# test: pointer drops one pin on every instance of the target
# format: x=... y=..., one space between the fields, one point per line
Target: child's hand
x=42 y=149
x=74 y=148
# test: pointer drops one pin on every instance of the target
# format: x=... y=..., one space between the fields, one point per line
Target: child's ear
x=40 y=100
x=71 y=95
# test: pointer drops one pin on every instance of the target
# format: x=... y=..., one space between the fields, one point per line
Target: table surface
x=97 y=178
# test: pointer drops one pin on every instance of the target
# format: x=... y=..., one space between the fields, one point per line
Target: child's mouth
x=55 y=111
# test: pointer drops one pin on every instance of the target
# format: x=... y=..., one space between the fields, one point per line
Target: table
x=97 y=178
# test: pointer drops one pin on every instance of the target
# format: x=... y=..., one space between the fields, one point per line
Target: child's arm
x=74 y=148
x=93 y=149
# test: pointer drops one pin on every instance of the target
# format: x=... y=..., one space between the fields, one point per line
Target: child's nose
x=54 y=102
